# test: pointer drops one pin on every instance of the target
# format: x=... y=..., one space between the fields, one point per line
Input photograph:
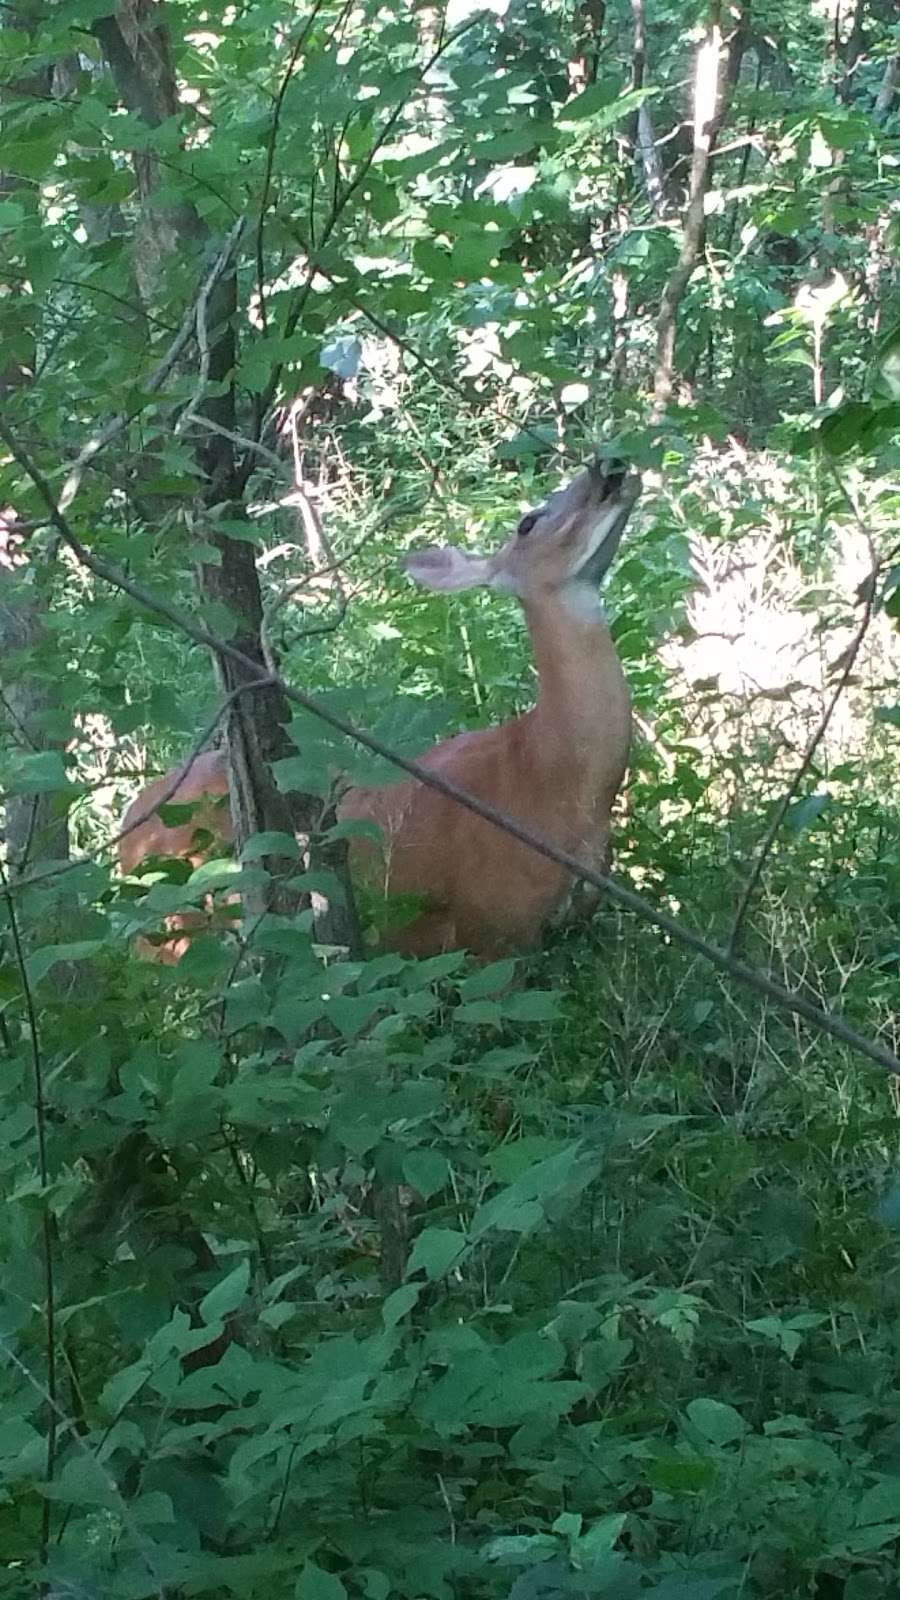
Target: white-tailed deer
x=557 y=769
x=204 y=788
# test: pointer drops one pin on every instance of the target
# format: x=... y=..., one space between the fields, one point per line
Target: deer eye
x=527 y=523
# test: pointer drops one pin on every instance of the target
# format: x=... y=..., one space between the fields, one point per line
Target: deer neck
x=580 y=679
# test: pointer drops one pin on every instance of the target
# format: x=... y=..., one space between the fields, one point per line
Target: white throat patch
x=582 y=601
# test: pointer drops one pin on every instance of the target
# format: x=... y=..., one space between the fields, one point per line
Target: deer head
x=563 y=547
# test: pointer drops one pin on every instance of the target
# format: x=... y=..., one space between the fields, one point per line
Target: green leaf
x=717 y=1422
x=316 y=1584
x=805 y=813
x=473 y=254
x=680 y=1474
x=271 y=844
x=601 y=1535
x=843 y=429
x=786 y=1332
x=53 y=955
x=595 y=103
x=38 y=772
x=435 y=1252
x=539 y=440
x=426 y=1171
x=226 y=1296
x=400 y=1303
x=83 y=1482
x=351 y=1013
x=531 y=1005
x=487 y=980
x=481 y=1013
x=434 y=261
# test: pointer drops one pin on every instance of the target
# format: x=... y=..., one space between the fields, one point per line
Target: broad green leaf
x=226 y=1296
x=717 y=1422
x=400 y=1303
x=488 y=980
x=37 y=772
x=426 y=1171
x=314 y=1583
x=83 y=1482
x=531 y=1005
x=57 y=955
x=594 y=103
x=435 y=1252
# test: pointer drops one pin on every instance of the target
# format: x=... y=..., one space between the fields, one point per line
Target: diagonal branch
x=761 y=983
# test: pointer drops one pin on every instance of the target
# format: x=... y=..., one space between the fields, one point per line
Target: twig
x=781 y=810
x=444 y=380
x=242 y=440
x=202 y=307
x=157 y=378
x=763 y=985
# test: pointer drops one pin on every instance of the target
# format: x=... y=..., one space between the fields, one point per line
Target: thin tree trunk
x=716 y=69
x=844 y=57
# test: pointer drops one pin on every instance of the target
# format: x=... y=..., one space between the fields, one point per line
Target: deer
x=557 y=768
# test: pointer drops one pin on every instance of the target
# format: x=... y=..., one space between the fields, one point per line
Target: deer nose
x=608 y=475
x=615 y=468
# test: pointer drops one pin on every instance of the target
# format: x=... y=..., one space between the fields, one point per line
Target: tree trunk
x=137 y=48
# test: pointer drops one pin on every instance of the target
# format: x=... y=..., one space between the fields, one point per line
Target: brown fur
x=557 y=769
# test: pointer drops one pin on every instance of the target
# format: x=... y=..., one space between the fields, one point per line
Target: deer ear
x=445 y=567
